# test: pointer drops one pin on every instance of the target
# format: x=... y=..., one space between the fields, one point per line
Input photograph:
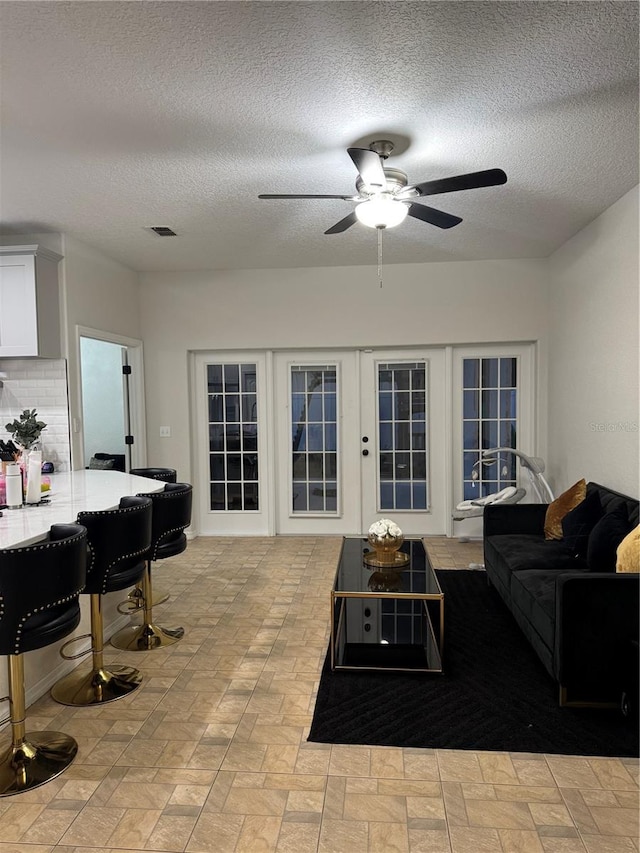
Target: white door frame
x=137 y=412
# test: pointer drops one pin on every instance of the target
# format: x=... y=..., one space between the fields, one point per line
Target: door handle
x=365 y=452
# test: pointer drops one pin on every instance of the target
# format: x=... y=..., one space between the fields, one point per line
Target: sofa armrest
x=503 y=519
x=596 y=619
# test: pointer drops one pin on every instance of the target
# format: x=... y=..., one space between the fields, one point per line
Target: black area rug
x=494 y=694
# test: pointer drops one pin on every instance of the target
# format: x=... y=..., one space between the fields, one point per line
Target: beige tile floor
x=210 y=754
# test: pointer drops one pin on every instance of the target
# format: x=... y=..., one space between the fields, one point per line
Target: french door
x=316 y=419
x=403 y=439
x=233 y=439
x=320 y=442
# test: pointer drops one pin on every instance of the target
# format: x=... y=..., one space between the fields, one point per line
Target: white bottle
x=34 y=477
x=14 y=486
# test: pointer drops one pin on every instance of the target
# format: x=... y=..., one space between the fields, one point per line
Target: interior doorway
x=111 y=380
x=105 y=402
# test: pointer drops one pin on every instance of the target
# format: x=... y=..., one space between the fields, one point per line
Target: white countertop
x=71 y=493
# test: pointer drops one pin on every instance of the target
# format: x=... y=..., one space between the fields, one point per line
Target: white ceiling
x=119 y=116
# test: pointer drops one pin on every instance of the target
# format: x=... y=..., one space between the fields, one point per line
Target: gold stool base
x=143 y=638
x=135 y=600
x=40 y=757
x=96 y=688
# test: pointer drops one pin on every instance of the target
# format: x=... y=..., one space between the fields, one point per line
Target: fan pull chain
x=380 y=230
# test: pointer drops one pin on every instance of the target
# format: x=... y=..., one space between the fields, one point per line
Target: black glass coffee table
x=386 y=619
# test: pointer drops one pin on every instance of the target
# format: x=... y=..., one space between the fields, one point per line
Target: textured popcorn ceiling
x=119 y=116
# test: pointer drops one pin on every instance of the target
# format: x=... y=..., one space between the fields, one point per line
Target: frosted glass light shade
x=381 y=212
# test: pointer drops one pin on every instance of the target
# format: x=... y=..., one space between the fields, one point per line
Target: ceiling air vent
x=163 y=231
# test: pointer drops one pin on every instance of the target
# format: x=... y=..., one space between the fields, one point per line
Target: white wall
x=443 y=303
x=593 y=353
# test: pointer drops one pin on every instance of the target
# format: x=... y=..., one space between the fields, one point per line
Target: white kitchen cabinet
x=29 y=302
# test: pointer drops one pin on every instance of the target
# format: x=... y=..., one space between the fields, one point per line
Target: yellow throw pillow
x=628 y=553
x=557 y=509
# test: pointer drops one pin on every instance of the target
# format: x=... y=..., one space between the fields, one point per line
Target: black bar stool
x=134 y=600
x=118 y=543
x=171 y=516
x=168 y=475
x=39 y=589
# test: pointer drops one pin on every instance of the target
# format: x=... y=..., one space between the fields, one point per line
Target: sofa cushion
x=558 y=508
x=628 y=553
x=604 y=539
x=579 y=522
x=534 y=594
x=532 y=552
x=101 y=464
x=517 y=552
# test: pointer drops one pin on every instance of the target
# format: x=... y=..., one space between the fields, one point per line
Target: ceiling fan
x=384 y=197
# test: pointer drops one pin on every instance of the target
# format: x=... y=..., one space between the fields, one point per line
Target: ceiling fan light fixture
x=381 y=212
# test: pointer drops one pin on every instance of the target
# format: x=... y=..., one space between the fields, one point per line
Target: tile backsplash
x=39 y=384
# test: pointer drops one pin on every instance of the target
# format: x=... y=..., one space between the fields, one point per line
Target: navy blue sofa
x=579 y=616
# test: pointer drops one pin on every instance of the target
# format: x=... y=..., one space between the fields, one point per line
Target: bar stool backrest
x=168 y=475
x=171 y=516
x=118 y=542
x=39 y=588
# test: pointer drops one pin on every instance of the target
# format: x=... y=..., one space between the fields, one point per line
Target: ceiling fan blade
x=368 y=164
x=472 y=181
x=343 y=197
x=345 y=223
x=433 y=217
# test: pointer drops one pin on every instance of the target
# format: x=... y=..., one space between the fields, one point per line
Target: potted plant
x=26 y=431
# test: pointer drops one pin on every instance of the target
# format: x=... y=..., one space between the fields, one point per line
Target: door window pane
x=216 y=437
x=250 y=437
x=403 y=436
x=233 y=437
x=234 y=496
x=402 y=428
x=248 y=372
x=251 y=496
x=249 y=408
x=330 y=436
x=232 y=408
x=216 y=466
x=231 y=378
x=314 y=439
x=217 y=498
x=300 y=466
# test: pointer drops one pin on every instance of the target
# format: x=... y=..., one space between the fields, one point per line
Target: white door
x=403 y=442
x=232 y=478
x=316 y=415
x=360 y=436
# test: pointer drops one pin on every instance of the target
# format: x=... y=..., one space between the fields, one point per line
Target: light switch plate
x=165 y=432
